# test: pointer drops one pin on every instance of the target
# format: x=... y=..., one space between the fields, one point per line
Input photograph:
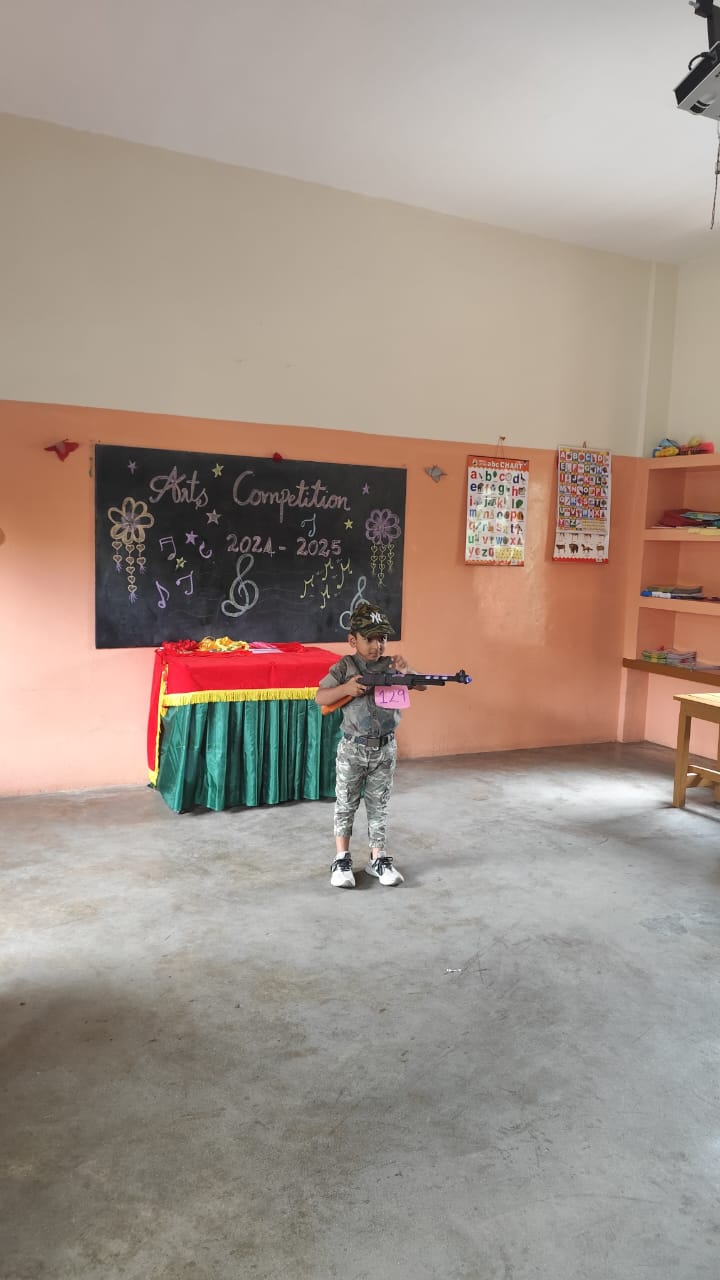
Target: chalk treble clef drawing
x=358 y=599
x=243 y=594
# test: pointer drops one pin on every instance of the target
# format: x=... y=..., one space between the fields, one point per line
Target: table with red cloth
x=240 y=727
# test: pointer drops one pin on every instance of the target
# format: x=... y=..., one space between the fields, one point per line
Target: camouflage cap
x=368 y=620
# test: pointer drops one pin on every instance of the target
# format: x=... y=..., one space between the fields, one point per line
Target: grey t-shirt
x=362 y=715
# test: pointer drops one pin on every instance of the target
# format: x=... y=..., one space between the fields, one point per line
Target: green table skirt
x=217 y=755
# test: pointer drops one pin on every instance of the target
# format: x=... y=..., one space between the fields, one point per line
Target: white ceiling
x=556 y=118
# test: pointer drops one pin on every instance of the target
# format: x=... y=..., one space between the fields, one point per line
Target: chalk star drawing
x=212 y=517
x=180 y=563
x=366 y=488
x=348 y=524
x=131 y=467
x=217 y=469
x=190 y=537
x=128 y=525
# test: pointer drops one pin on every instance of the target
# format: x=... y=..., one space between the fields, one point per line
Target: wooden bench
x=702 y=706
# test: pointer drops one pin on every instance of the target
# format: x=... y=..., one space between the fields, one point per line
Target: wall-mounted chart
x=582 y=527
x=189 y=545
x=497 y=499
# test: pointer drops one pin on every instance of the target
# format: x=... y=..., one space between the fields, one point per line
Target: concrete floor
x=215 y=1067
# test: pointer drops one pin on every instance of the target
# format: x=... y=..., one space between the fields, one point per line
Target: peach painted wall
x=661 y=718
x=543 y=643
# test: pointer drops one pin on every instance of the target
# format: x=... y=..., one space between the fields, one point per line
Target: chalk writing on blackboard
x=252 y=547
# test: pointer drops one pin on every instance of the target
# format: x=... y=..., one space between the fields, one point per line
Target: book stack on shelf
x=674 y=591
x=673 y=657
x=686 y=658
x=686 y=518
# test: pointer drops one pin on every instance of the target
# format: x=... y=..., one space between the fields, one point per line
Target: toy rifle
x=413 y=680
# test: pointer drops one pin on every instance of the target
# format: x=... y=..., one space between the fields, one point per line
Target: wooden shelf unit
x=686 y=462
x=711 y=607
x=682 y=535
x=671 y=555
x=676 y=673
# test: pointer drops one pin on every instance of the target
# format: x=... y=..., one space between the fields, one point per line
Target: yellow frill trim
x=153 y=773
x=237 y=695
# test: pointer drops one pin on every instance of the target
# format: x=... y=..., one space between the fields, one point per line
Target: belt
x=369 y=741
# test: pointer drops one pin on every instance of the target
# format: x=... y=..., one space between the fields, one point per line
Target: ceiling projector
x=699 y=92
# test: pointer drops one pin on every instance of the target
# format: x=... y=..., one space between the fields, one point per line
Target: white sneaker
x=383 y=868
x=341 y=873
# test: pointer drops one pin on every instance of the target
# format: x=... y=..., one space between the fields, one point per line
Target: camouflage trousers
x=364 y=770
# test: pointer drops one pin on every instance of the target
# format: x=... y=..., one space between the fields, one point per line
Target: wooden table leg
x=681 y=758
x=716 y=788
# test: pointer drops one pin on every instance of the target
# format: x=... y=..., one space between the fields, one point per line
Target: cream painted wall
x=694 y=409
x=141 y=279
x=694 y=398
x=660 y=334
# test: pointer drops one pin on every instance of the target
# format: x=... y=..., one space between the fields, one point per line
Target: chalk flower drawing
x=382 y=528
x=128 y=526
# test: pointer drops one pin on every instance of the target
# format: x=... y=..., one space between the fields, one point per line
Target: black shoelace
x=341 y=864
x=383 y=864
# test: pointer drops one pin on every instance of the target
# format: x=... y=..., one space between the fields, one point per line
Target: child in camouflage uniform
x=367 y=750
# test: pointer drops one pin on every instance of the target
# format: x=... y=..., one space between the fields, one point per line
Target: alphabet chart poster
x=582 y=530
x=497 y=494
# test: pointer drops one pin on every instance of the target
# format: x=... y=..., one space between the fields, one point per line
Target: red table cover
x=180 y=678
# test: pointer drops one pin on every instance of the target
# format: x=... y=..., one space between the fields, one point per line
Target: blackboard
x=189 y=545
